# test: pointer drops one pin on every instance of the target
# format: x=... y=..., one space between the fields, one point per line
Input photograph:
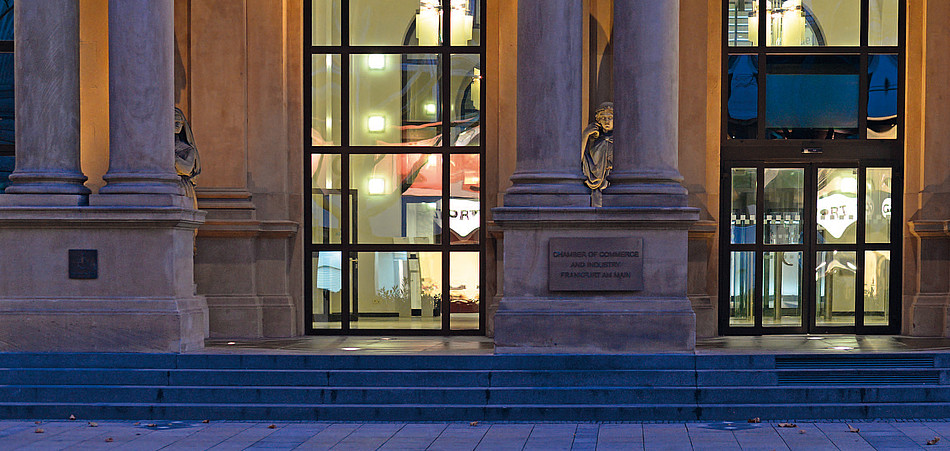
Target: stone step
x=358 y=378
x=361 y=362
x=459 y=395
x=459 y=412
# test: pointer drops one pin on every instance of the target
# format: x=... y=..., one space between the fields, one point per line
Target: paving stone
x=460 y=437
x=551 y=437
x=505 y=437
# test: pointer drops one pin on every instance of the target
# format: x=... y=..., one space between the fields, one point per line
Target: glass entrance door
x=809 y=249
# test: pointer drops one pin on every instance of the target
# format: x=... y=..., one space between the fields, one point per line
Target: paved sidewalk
x=227 y=435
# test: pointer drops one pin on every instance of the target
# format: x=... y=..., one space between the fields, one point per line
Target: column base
x=532 y=317
x=593 y=326
x=930 y=315
x=103 y=325
x=132 y=289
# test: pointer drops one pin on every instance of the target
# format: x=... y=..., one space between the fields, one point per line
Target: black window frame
x=761 y=153
x=348 y=248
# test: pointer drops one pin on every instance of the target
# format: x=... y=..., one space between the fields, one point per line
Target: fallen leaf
x=93 y=424
x=273 y=426
x=933 y=441
x=108 y=439
x=801 y=431
x=72 y=417
x=853 y=429
x=755 y=420
x=205 y=421
x=39 y=431
x=151 y=425
x=136 y=423
x=474 y=423
x=37 y=422
x=787 y=425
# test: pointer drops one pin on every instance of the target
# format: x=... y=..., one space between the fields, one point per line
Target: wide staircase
x=680 y=387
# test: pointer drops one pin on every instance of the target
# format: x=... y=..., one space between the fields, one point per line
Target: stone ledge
x=125 y=217
x=930 y=228
x=248 y=229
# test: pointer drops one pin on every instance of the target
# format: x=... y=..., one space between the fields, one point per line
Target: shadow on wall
x=6 y=168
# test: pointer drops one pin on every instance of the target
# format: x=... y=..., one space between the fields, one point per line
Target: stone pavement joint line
x=481 y=436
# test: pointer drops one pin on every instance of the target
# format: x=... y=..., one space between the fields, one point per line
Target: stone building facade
x=440 y=141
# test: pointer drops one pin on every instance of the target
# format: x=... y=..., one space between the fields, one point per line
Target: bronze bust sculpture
x=187 y=163
x=597 y=154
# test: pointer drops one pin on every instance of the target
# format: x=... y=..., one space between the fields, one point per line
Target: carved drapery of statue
x=597 y=153
x=187 y=163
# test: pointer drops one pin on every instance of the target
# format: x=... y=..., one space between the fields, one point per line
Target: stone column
x=141 y=100
x=548 y=172
x=549 y=226
x=47 y=102
x=646 y=106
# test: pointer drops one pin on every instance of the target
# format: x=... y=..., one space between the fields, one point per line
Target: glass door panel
x=784 y=205
x=782 y=289
x=834 y=280
x=741 y=289
x=812 y=219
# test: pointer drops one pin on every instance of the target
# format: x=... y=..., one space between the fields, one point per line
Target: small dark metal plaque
x=595 y=264
x=83 y=264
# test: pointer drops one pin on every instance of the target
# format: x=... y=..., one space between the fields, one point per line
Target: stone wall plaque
x=83 y=264
x=595 y=264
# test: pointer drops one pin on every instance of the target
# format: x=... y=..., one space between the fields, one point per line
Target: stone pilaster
x=646 y=107
x=548 y=173
x=141 y=102
x=47 y=104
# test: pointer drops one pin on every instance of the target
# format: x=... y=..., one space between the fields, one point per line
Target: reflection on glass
x=396 y=290
x=325 y=22
x=794 y=23
x=741 y=289
x=882 y=22
x=878 y=197
x=784 y=205
x=466 y=22
x=743 y=23
x=743 y=205
x=325 y=96
x=327 y=287
x=882 y=96
x=397 y=199
x=6 y=20
x=325 y=199
x=834 y=278
x=743 y=103
x=394 y=100
x=782 y=289
x=395 y=22
x=877 y=283
x=812 y=97
x=837 y=205
x=464 y=290
x=464 y=207
x=466 y=91
x=6 y=99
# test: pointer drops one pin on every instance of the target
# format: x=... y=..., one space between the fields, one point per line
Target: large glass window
x=396 y=234
x=826 y=69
